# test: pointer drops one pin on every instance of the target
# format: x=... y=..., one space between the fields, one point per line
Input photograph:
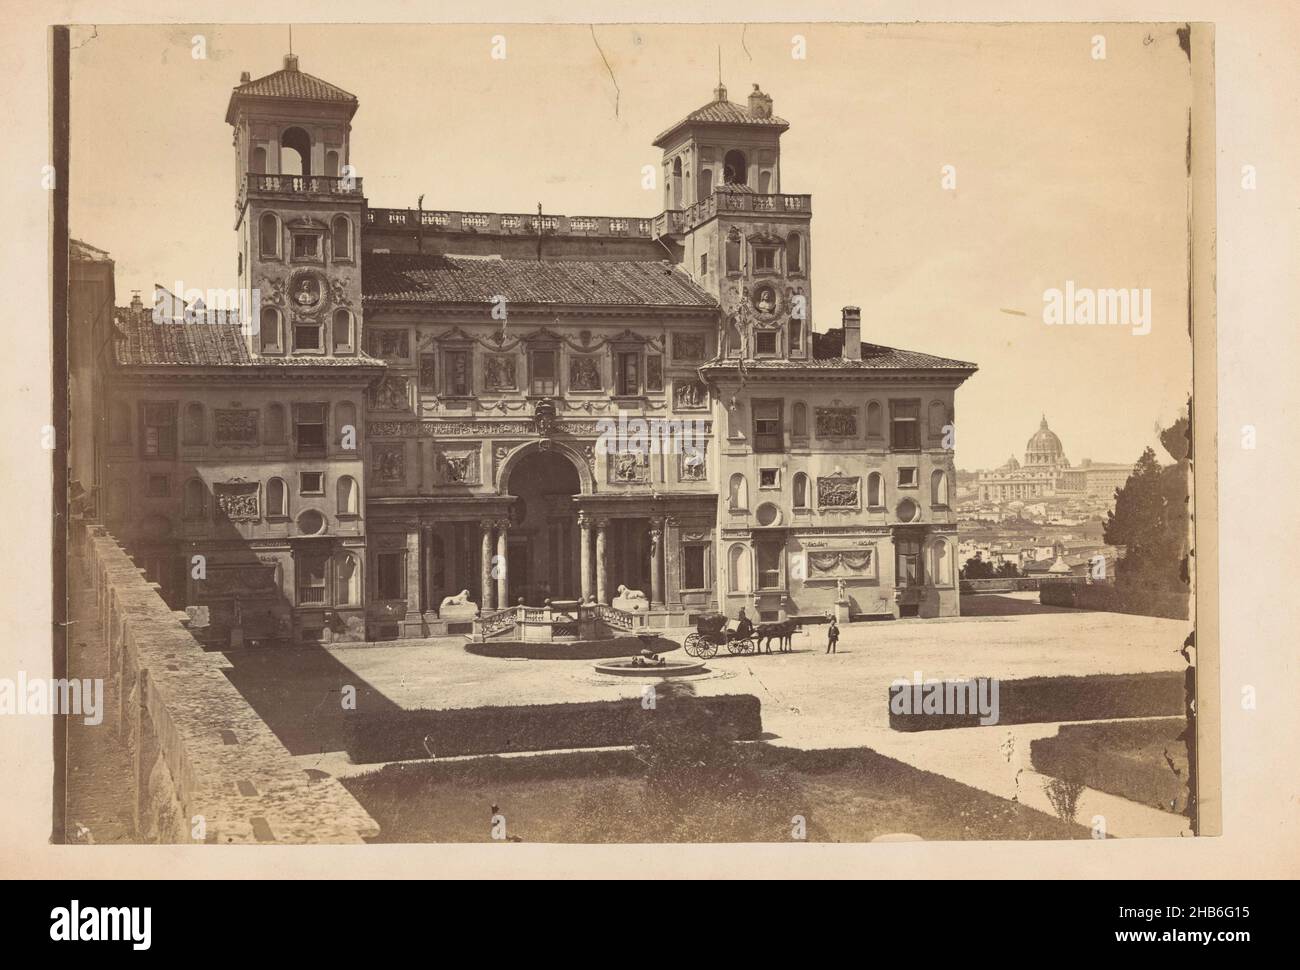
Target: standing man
x=832 y=636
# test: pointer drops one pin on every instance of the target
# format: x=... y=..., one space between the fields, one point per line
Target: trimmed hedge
x=1035 y=700
x=1171 y=605
x=400 y=735
x=1125 y=759
x=586 y=650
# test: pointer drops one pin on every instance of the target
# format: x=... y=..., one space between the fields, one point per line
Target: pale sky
x=1067 y=168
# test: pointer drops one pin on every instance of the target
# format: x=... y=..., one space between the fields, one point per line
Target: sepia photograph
x=632 y=451
x=571 y=444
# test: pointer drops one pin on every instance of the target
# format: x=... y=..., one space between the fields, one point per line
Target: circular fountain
x=647 y=663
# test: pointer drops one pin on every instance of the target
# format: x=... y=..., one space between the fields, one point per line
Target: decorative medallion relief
x=690 y=395
x=842 y=563
x=693 y=466
x=389 y=464
x=458 y=467
x=238 y=501
x=391 y=394
x=836 y=422
x=839 y=492
x=235 y=427
x=499 y=372
x=627 y=468
x=584 y=374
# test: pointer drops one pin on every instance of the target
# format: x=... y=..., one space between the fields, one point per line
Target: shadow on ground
x=993 y=604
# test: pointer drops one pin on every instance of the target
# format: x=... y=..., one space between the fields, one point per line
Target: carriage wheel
x=741 y=646
x=707 y=649
x=692 y=645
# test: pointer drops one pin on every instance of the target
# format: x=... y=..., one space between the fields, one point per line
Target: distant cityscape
x=1042 y=515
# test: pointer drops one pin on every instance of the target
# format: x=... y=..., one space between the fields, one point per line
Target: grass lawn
x=737 y=793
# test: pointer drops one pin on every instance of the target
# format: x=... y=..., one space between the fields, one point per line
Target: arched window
x=119 y=424
x=345 y=419
x=347 y=495
x=706 y=183
x=738 y=493
x=735 y=169
x=341 y=237
x=275 y=424
x=940 y=565
x=677 y=183
x=342 y=331
x=799 y=420
x=764 y=183
x=332 y=164
x=347 y=581
x=938 y=418
x=793 y=253
x=295 y=152
x=738 y=574
x=268 y=231
x=277 y=499
x=875 y=490
x=195 y=502
x=873 y=420
x=269 y=332
x=939 y=489
x=733 y=251
x=259 y=160
x=194 y=424
x=799 y=497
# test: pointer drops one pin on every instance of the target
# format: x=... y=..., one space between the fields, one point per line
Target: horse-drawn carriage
x=710 y=633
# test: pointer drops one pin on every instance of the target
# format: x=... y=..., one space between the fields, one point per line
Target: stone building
x=525 y=407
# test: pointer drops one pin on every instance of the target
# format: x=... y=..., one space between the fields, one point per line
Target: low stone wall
x=195 y=746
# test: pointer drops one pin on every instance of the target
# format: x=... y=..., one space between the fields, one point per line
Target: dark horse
x=782 y=632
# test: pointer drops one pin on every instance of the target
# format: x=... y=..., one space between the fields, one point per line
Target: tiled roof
x=431 y=278
x=84 y=252
x=721 y=112
x=874 y=357
x=289 y=83
x=143 y=343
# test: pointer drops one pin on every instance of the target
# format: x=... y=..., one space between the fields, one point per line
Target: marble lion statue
x=460 y=599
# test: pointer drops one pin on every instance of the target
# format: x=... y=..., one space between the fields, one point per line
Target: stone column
x=656 y=563
x=503 y=588
x=601 y=525
x=584 y=555
x=672 y=564
x=485 y=565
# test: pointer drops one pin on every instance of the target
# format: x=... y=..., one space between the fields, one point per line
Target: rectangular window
x=767 y=478
x=907 y=564
x=767 y=426
x=704 y=264
x=768 y=556
x=158 y=432
x=311 y=579
x=764 y=259
x=905 y=425
x=306 y=336
x=390 y=571
x=306 y=246
x=907 y=478
x=628 y=373
x=309 y=428
x=693 y=567
x=311 y=483
x=458 y=382
x=765 y=343
x=543 y=373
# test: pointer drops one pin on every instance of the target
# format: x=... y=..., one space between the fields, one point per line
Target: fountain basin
x=625 y=668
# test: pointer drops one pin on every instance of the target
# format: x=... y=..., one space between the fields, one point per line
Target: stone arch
x=586 y=480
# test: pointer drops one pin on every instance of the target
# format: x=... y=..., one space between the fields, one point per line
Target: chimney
x=852 y=333
x=245 y=77
x=291 y=62
x=136 y=302
x=760 y=104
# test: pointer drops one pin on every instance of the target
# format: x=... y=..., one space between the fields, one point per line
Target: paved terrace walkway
x=810 y=700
